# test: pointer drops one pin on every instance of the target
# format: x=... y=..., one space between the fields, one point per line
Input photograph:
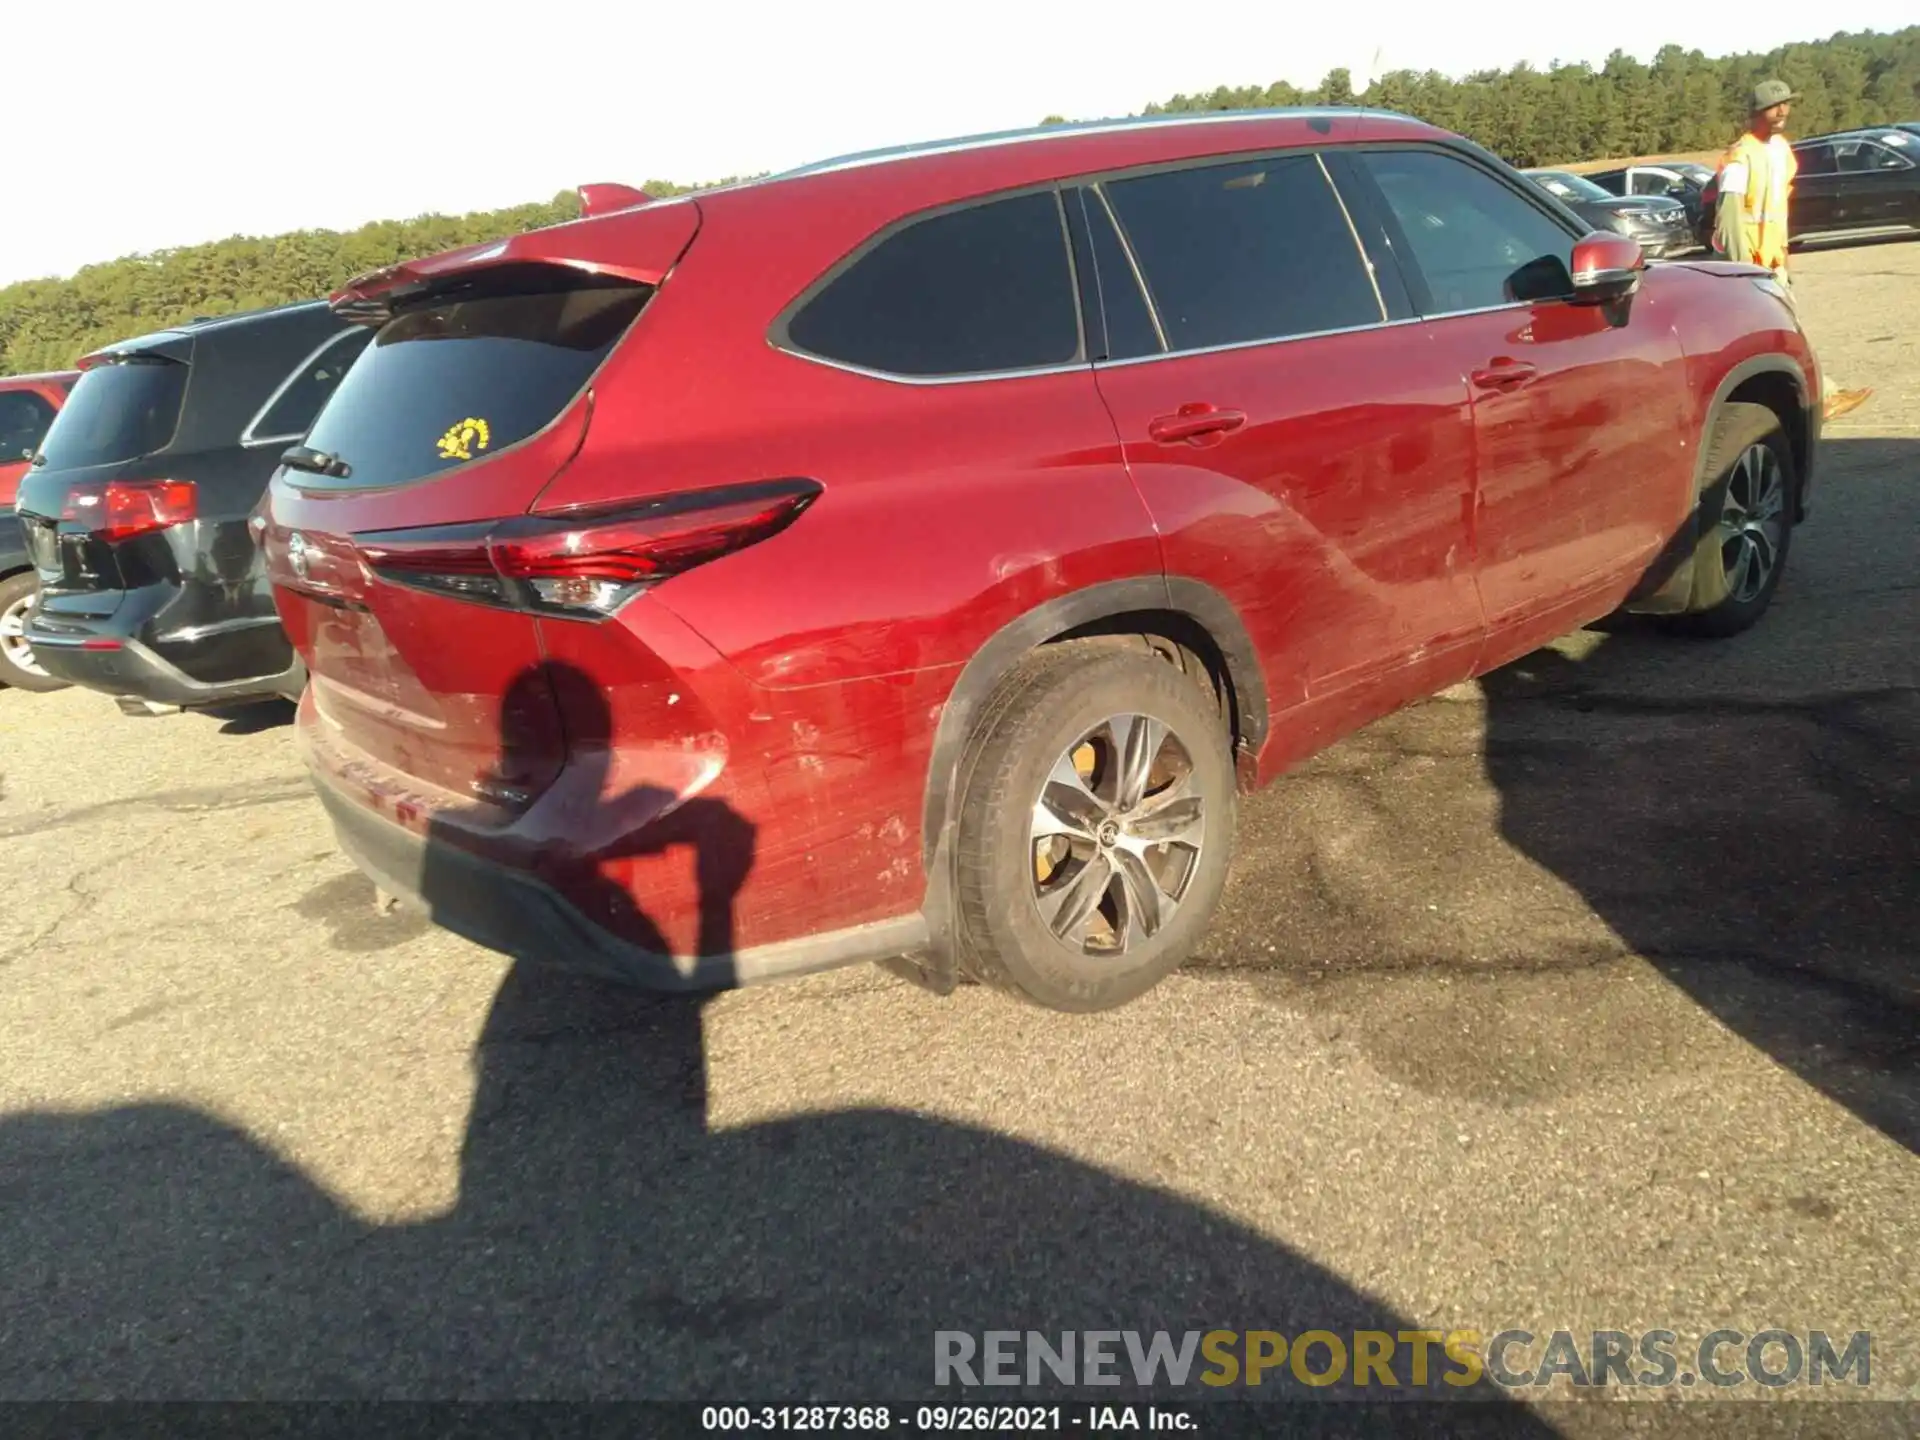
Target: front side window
x=24 y=418
x=1243 y=252
x=466 y=373
x=1477 y=244
x=1864 y=156
x=119 y=410
x=970 y=291
x=286 y=416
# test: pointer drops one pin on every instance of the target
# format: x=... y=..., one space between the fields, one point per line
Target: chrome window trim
x=250 y=441
x=976 y=377
x=1270 y=340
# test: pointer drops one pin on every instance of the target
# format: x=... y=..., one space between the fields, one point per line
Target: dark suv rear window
x=469 y=373
x=117 y=412
x=964 y=292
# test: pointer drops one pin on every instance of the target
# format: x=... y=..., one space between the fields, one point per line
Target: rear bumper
x=516 y=913
x=100 y=658
x=188 y=644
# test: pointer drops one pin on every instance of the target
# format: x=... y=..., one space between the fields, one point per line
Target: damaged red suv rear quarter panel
x=949 y=509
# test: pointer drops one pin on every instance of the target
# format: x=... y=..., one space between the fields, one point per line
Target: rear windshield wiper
x=304 y=457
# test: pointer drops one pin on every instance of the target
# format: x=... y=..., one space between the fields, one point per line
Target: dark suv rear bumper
x=104 y=657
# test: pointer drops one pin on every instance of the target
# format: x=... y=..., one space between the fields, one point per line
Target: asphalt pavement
x=1582 y=997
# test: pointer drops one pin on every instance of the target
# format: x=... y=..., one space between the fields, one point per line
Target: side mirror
x=1606 y=267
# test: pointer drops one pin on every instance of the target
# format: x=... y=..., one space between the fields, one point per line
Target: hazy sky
x=143 y=125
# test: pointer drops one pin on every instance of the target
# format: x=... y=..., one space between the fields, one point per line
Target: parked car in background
x=912 y=557
x=135 y=509
x=1852 y=181
x=28 y=404
x=1857 y=180
x=1659 y=225
x=1683 y=180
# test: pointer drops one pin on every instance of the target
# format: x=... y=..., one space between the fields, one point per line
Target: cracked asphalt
x=1582 y=997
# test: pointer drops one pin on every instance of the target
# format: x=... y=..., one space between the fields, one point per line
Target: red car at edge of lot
x=912 y=557
x=28 y=404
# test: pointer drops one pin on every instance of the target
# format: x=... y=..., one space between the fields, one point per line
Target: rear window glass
x=966 y=292
x=470 y=373
x=288 y=414
x=117 y=412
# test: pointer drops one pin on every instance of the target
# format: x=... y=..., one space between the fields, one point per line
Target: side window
x=1865 y=156
x=1254 y=250
x=289 y=414
x=24 y=421
x=1476 y=243
x=1817 y=160
x=1131 y=329
x=963 y=292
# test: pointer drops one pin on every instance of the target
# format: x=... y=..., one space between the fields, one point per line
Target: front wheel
x=1746 y=522
x=1096 y=826
x=17 y=665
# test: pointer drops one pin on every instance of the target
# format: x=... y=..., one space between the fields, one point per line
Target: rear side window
x=1816 y=160
x=469 y=373
x=118 y=411
x=288 y=414
x=1254 y=250
x=965 y=292
x=24 y=418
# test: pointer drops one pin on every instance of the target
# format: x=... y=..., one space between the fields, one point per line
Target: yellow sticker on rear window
x=461 y=440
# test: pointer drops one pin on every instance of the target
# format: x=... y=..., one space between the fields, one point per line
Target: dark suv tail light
x=585 y=563
x=121 y=509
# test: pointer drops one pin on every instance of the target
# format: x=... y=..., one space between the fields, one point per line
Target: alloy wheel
x=1116 y=835
x=13 y=637
x=1753 y=522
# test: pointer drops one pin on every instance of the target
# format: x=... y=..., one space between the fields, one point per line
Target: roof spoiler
x=605 y=197
x=161 y=345
x=639 y=242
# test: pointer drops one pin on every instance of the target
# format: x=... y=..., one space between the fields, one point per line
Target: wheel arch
x=1187 y=612
x=1777 y=382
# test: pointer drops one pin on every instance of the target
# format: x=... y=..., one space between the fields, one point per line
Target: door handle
x=1503 y=374
x=1194 y=422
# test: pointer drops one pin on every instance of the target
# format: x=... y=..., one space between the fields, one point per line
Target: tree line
x=1682 y=102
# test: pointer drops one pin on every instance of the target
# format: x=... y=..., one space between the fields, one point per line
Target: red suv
x=910 y=557
x=28 y=405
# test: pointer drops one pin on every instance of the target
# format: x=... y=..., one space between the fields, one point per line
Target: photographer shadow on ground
x=608 y=1242
x=1756 y=837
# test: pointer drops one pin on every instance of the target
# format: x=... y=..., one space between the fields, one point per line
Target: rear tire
x=17 y=666
x=1096 y=826
x=1746 y=523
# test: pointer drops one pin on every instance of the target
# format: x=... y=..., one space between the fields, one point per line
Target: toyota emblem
x=297 y=552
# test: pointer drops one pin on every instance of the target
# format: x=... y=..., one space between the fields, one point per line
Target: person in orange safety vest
x=1756 y=188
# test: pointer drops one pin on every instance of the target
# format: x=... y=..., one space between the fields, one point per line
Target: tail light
x=122 y=509
x=585 y=563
